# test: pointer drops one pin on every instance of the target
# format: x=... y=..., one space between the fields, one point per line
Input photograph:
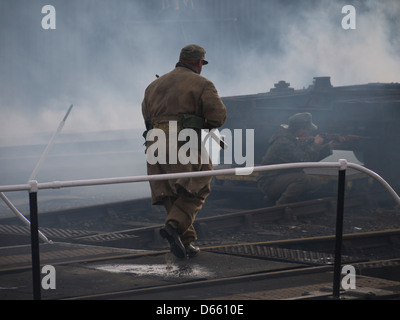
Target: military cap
x=302 y=120
x=193 y=52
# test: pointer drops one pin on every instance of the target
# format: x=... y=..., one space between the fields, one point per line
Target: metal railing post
x=33 y=207
x=339 y=231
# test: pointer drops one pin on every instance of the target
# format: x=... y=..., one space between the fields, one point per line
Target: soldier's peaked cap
x=193 y=52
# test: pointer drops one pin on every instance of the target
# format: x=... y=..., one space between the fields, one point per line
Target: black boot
x=176 y=245
x=191 y=250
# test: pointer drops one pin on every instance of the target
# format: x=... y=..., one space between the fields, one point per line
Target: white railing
x=33 y=186
x=342 y=164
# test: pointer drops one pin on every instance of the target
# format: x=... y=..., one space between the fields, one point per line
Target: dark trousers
x=181 y=213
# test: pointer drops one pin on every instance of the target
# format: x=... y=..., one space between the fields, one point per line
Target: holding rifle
x=293 y=143
x=333 y=138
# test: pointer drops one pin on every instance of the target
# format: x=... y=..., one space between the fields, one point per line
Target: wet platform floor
x=88 y=272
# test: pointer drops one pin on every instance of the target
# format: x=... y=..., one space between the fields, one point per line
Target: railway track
x=216 y=227
x=207 y=227
x=311 y=251
x=121 y=216
x=261 y=270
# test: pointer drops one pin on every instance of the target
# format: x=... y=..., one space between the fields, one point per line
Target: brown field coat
x=181 y=91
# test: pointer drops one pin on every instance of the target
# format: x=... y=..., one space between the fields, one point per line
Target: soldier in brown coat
x=181 y=99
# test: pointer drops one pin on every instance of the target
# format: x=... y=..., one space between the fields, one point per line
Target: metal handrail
x=33 y=187
x=342 y=164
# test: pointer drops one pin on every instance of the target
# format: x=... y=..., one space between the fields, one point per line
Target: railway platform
x=105 y=273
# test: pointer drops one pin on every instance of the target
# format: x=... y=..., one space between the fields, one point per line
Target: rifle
x=336 y=138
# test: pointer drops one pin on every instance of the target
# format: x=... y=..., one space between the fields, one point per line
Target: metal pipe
x=33 y=176
x=35 y=245
x=156 y=177
x=378 y=178
x=92 y=182
x=339 y=234
x=21 y=216
x=46 y=151
x=15 y=187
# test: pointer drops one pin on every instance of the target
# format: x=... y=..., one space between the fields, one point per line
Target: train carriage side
x=370 y=111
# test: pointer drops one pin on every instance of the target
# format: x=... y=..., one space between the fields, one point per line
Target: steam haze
x=103 y=54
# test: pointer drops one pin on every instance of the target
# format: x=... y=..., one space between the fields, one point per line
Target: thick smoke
x=103 y=54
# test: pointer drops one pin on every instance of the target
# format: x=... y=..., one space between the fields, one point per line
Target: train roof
x=321 y=85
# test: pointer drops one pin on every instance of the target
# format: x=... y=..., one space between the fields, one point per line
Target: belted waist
x=166 y=127
x=183 y=121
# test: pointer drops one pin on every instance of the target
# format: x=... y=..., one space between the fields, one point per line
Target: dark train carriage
x=370 y=111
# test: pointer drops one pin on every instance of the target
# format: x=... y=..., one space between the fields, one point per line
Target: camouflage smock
x=284 y=147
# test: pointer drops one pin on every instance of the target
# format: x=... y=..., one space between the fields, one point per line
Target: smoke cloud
x=103 y=54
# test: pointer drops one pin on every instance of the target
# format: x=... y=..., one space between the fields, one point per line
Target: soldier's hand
x=338 y=141
x=318 y=139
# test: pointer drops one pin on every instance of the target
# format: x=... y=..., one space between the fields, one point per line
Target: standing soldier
x=182 y=95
